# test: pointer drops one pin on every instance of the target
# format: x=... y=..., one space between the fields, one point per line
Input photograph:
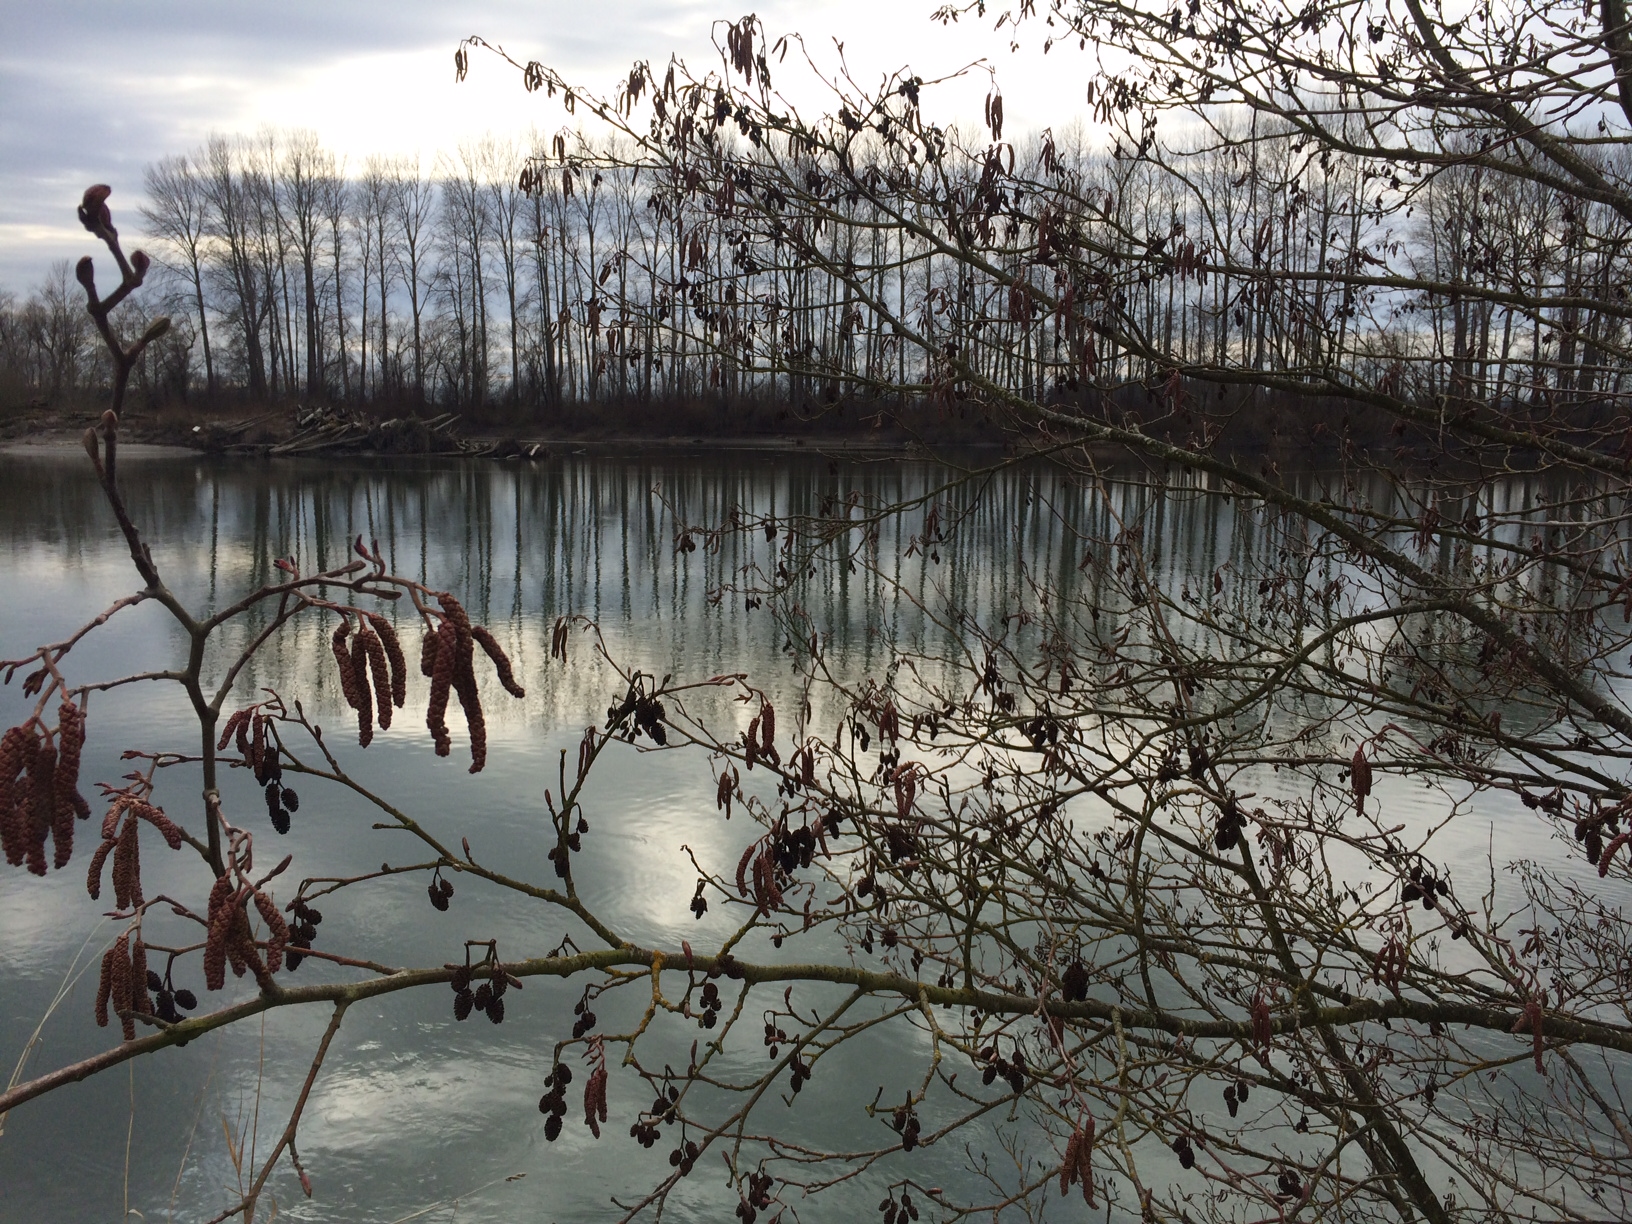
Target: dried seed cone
x=443 y=657
x=501 y=661
x=373 y=653
x=215 y=941
x=365 y=699
x=393 y=654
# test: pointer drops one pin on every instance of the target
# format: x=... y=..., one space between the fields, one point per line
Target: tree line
x=569 y=272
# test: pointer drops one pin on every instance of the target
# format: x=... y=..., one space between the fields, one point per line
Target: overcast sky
x=93 y=91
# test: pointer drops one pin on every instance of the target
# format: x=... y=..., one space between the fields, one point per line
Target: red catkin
x=342 y=660
x=443 y=657
x=215 y=941
x=120 y=993
x=127 y=868
x=93 y=877
x=42 y=787
x=156 y=817
x=139 y=1000
x=364 y=703
x=373 y=655
x=13 y=817
x=71 y=743
x=277 y=931
x=235 y=723
x=501 y=661
x=393 y=653
x=104 y=989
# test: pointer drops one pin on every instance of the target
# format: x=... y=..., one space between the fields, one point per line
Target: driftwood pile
x=325 y=430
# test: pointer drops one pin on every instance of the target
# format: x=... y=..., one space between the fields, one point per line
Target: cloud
x=93 y=92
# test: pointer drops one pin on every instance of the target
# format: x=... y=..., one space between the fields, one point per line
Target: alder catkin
x=13 y=816
x=93 y=877
x=104 y=989
x=342 y=660
x=42 y=787
x=427 y=654
x=393 y=653
x=443 y=657
x=234 y=722
x=215 y=941
x=155 y=816
x=127 y=868
x=277 y=937
x=501 y=661
x=71 y=743
x=121 y=985
x=470 y=701
x=364 y=703
x=373 y=653
x=139 y=1000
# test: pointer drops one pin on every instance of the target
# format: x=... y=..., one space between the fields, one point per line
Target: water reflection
x=415 y=1109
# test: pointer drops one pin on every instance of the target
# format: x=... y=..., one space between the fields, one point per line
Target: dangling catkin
x=215 y=941
x=93 y=877
x=120 y=993
x=393 y=654
x=501 y=661
x=277 y=931
x=127 y=868
x=374 y=653
x=342 y=660
x=443 y=659
x=42 y=786
x=104 y=989
x=364 y=703
x=13 y=816
x=71 y=737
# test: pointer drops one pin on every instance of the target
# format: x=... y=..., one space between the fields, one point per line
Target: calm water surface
x=414 y=1111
